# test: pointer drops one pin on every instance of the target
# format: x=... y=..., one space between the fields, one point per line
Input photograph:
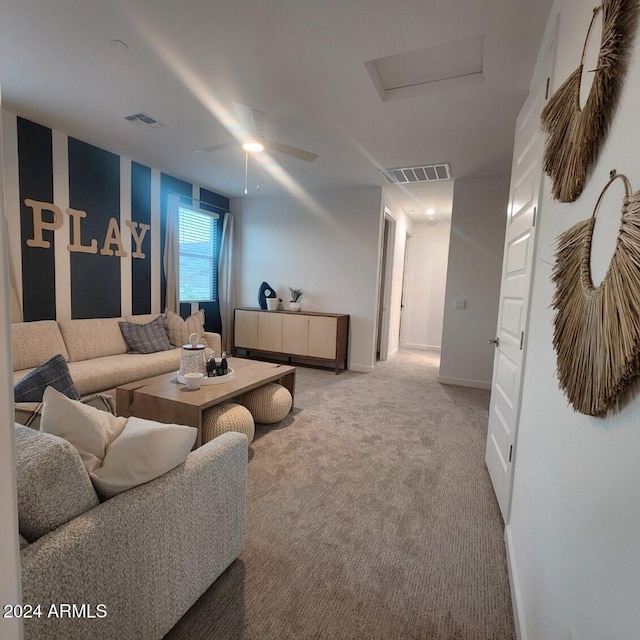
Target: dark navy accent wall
x=215 y=199
x=95 y=280
x=35 y=171
x=214 y=202
x=168 y=184
x=141 y=213
x=94 y=187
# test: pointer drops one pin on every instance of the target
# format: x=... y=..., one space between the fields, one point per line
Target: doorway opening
x=384 y=299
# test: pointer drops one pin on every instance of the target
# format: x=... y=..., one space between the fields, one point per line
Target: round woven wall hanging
x=575 y=135
x=597 y=329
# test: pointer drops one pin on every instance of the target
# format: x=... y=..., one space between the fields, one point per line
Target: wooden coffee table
x=163 y=399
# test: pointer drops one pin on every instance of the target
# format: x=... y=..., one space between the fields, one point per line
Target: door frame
x=403 y=299
x=387 y=246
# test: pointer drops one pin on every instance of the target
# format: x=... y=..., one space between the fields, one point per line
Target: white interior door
x=510 y=341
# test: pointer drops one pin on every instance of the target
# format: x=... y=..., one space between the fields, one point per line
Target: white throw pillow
x=88 y=429
x=143 y=451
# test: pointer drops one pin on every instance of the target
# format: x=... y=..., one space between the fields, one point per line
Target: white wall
x=575 y=516
x=403 y=225
x=426 y=285
x=328 y=247
x=9 y=556
x=473 y=274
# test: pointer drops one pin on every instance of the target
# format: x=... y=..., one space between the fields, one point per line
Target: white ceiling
x=302 y=62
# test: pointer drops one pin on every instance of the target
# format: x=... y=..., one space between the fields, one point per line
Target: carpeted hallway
x=370 y=516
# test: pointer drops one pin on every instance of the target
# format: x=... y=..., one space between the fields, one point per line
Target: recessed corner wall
x=473 y=276
x=426 y=285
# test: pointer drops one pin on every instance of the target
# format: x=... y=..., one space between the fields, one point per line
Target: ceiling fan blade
x=215 y=147
x=251 y=120
x=301 y=154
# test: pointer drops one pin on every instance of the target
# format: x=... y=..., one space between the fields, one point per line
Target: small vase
x=294 y=306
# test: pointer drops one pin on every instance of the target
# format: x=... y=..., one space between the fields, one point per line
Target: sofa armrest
x=146 y=554
x=213 y=341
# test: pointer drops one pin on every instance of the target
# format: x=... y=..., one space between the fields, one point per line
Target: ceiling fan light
x=253 y=146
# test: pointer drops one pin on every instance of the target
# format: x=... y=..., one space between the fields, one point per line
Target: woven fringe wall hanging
x=574 y=136
x=597 y=329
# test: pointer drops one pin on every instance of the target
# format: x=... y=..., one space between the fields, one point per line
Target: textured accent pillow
x=145 y=338
x=88 y=429
x=179 y=330
x=53 y=373
x=143 y=451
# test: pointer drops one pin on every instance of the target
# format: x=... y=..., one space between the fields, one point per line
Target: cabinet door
x=295 y=334
x=270 y=331
x=323 y=333
x=246 y=329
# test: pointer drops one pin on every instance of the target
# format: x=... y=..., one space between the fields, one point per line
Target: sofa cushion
x=88 y=429
x=143 y=451
x=54 y=372
x=99 y=374
x=145 y=338
x=53 y=486
x=179 y=330
x=35 y=342
x=92 y=338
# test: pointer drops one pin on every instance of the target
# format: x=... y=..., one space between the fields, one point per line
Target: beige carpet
x=371 y=516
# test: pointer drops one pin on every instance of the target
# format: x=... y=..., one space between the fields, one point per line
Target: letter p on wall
x=39 y=224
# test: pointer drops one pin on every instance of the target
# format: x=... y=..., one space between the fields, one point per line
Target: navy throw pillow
x=54 y=373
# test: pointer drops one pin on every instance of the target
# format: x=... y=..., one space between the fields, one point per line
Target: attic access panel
x=421 y=71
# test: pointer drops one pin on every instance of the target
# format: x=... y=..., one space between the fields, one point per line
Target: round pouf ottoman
x=227 y=417
x=268 y=404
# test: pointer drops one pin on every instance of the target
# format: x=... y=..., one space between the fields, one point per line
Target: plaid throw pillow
x=145 y=338
x=179 y=330
x=54 y=372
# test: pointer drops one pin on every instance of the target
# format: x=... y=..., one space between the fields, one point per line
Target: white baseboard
x=514 y=585
x=424 y=347
x=361 y=368
x=464 y=382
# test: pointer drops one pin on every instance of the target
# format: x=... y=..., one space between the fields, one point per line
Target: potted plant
x=296 y=296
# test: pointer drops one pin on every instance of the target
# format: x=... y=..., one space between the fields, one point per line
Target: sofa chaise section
x=145 y=555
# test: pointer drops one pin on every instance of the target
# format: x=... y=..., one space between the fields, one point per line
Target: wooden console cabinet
x=317 y=336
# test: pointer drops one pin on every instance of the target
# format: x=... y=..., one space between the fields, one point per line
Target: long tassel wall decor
x=597 y=329
x=574 y=136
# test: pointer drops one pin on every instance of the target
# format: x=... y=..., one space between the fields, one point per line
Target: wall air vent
x=422 y=173
x=144 y=121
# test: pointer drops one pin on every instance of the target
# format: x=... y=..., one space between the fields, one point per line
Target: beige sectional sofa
x=136 y=562
x=95 y=351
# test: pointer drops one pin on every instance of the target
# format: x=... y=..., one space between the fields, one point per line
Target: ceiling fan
x=251 y=123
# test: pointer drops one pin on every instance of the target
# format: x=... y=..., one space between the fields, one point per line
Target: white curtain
x=171 y=257
x=225 y=281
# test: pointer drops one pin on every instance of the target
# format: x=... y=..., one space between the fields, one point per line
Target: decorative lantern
x=193 y=358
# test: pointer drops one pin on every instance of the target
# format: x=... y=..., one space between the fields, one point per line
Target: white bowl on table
x=193 y=380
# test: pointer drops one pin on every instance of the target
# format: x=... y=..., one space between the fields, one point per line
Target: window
x=198 y=237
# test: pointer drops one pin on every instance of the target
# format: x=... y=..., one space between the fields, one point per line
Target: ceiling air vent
x=144 y=121
x=422 y=173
